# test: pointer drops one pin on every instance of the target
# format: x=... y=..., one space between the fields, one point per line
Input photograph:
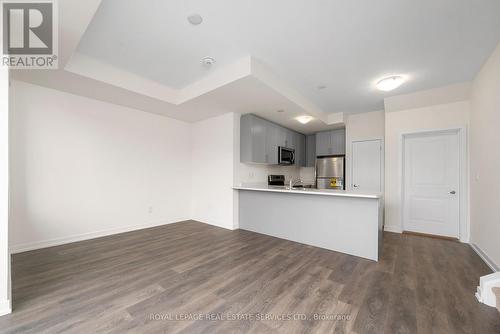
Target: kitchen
x=348 y=213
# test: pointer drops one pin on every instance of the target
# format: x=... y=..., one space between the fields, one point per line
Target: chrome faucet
x=293 y=182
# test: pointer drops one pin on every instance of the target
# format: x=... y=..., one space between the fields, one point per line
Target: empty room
x=286 y=166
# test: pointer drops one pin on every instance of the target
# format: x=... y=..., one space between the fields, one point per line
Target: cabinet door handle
x=453 y=192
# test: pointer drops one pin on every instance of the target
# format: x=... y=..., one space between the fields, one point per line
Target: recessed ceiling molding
x=263 y=73
x=93 y=68
x=336 y=118
x=244 y=67
x=97 y=70
x=218 y=78
x=99 y=28
x=246 y=85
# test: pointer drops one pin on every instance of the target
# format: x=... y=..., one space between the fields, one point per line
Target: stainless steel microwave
x=286 y=156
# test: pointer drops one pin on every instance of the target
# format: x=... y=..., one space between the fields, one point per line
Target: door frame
x=463 y=191
x=382 y=162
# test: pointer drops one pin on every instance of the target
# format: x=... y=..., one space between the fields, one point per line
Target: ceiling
x=344 y=45
x=270 y=55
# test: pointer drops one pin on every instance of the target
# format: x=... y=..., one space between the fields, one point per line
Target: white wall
x=217 y=168
x=83 y=168
x=443 y=116
x=364 y=126
x=485 y=159
x=5 y=305
x=214 y=156
x=89 y=168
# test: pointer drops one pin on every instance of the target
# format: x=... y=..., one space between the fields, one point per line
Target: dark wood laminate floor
x=145 y=281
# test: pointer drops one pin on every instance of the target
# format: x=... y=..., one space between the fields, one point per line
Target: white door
x=431 y=184
x=367 y=165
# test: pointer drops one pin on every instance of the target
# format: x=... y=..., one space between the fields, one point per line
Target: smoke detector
x=195 y=19
x=207 y=61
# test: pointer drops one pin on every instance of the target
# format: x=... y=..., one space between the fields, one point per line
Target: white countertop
x=311 y=191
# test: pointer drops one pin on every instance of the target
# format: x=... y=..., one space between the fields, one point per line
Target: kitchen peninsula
x=339 y=220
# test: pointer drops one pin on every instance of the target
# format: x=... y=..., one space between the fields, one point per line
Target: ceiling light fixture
x=208 y=61
x=304 y=119
x=195 y=19
x=390 y=83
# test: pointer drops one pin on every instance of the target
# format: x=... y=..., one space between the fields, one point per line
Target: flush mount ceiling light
x=208 y=61
x=195 y=19
x=390 y=83
x=304 y=119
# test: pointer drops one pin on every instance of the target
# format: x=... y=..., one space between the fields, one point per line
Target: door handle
x=453 y=192
x=355 y=185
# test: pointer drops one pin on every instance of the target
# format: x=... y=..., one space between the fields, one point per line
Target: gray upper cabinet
x=253 y=139
x=323 y=143
x=271 y=143
x=260 y=140
x=290 y=138
x=338 y=142
x=280 y=135
x=330 y=142
x=246 y=142
x=310 y=150
x=300 y=150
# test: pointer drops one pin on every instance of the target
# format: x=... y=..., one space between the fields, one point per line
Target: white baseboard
x=395 y=229
x=85 y=236
x=5 y=307
x=485 y=292
x=214 y=223
x=489 y=262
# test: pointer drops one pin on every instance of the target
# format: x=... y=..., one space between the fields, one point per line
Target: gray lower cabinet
x=310 y=151
x=260 y=140
x=330 y=142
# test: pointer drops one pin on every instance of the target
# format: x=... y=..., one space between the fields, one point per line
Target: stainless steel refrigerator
x=330 y=172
